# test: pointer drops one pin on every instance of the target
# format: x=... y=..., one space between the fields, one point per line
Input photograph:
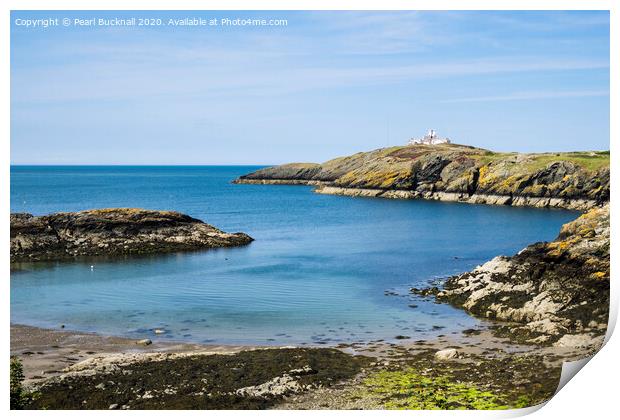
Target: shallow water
x=317 y=272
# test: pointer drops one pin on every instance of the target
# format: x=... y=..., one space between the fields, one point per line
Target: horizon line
x=142 y=164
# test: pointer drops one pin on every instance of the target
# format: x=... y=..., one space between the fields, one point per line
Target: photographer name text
x=148 y=21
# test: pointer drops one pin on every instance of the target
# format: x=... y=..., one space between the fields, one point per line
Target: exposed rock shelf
x=118 y=231
x=256 y=379
x=450 y=172
x=557 y=291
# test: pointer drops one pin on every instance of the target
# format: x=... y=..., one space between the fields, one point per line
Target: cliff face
x=453 y=172
x=112 y=232
x=557 y=291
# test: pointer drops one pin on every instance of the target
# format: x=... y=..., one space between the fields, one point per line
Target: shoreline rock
x=447 y=354
x=556 y=292
x=112 y=232
x=499 y=200
x=489 y=199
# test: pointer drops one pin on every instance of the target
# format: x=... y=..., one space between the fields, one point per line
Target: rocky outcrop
x=450 y=172
x=118 y=231
x=557 y=292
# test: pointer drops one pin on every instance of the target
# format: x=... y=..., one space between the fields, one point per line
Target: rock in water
x=118 y=231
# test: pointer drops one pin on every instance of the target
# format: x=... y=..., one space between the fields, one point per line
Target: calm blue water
x=316 y=273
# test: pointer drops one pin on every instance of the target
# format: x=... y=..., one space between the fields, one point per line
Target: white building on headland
x=430 y=138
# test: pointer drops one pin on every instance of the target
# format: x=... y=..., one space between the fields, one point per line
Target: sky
x=327 y=84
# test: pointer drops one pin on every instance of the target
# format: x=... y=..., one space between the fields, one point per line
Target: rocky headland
x=451 y=172
x=556 y=292
x=112 y=232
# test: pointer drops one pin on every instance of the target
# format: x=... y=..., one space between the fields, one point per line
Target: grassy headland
x=455 y=172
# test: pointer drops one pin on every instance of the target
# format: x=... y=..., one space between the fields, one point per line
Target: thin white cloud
x=121 y=81
x=523 y=96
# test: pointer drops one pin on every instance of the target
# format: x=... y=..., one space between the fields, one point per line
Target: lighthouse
x=430 y=138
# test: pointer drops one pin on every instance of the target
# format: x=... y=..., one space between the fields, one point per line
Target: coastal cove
x=323 y=269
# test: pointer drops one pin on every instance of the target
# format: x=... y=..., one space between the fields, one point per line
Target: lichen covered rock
x=118 y=231
x=557 y=291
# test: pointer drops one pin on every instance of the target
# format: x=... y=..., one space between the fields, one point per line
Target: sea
x=322 y=269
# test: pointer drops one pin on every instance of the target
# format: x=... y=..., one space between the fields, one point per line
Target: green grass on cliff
x=591 y=161
x=588 y=160
x=490 y=157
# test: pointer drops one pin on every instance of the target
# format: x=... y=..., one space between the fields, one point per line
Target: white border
x=592 y=395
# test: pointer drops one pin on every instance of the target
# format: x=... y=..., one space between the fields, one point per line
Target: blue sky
x=328 y=84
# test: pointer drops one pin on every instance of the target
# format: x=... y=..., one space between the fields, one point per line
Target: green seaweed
x=410 y=390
